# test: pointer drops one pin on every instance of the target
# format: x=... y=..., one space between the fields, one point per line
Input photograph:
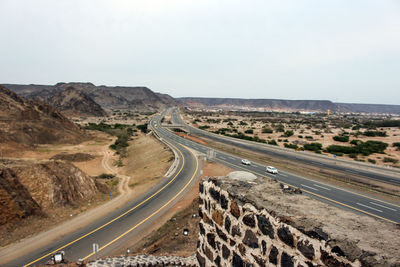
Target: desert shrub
x=106 y=176
x=203 y=127
x=341 y=138
x=365 y=148
x=280 y=128
x=384 y=123
x=353 y=155
x=243 y=123
x=391 y=160
x=300 y=136
x=249 y=131
x=375 y=133
x=272 y=142
x=356 y=142
x=288 y=133
x=396 y=144
x=293 y=146
x=313 y=146
x=142 y=127
x=309 y=137
x=372 y=161
x=267 y=130
x=230 y=123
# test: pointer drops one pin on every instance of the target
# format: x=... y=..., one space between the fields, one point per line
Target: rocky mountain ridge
x=289 y=105
x=139 y=99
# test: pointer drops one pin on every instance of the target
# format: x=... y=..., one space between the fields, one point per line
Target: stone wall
x=242 y=227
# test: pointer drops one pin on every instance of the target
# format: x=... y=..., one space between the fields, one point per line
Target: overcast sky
x=340 y=50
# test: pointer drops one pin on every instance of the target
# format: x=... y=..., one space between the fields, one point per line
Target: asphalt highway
x=327 y=163
x=330 y=194
x=122 y=224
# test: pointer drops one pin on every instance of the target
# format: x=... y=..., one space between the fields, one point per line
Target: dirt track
x=126 y=194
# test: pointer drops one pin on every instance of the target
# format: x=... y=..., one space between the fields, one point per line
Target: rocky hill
x=73 y=102
x=140 y=99
x=289 y=105
x=28 y=188
x=267 y=104
x=369 y=108
x=33 y=122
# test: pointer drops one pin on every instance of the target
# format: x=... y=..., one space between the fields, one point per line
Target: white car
x=271 y=169
x=246 y=162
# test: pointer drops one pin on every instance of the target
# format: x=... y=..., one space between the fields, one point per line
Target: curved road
x=125 y=223
x=332 y=195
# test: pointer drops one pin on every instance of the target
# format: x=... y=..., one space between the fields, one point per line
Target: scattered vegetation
x=341 y=138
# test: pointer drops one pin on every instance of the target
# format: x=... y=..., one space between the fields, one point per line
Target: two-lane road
x=123 y=224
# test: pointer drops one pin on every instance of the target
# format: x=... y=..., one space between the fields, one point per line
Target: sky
x=338 y=50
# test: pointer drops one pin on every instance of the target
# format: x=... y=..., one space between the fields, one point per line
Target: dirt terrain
x=297 y=129
x=147 y=160
x=166 y=238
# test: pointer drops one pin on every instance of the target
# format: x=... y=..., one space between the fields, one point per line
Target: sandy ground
x=104 y=165
x=323 y=136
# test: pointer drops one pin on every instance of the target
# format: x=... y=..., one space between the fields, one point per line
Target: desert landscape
x=314 y=132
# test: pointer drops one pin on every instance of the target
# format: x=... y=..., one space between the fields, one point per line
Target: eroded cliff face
x=28 y=188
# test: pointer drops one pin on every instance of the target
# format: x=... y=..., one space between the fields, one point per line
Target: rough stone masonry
x=255 y=223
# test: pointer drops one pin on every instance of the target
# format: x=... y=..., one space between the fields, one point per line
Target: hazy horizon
x=345 y=52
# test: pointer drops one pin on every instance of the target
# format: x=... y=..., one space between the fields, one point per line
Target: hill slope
x=72 y=101
x=30 y=122
x=140 y=99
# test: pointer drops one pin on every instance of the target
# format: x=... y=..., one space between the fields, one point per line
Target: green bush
x=267 y=130
x=106 y=176
x=249 y=131
x=341 y=138
x=272 y=142
x=392 y=160
x=375 y=133
x=142 y=127
x=365 y=148
x=288 y=133
x=313 y=146
x=300 y=136
x=293 y=146
x=203 y=127
x=396 y=144
x=372 y=161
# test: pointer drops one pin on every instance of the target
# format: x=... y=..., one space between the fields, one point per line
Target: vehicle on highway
x=271 y=169
x=246 y=162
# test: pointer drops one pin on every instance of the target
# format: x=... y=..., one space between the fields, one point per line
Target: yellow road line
x=104 y=225
x=151 y=215
x=335 y=201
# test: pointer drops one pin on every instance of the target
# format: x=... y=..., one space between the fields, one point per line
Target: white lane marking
x=352 y=171
x=326 y=188
x=231 y=157
x=368 y=207
x=221 y=157
x=382 y=206
x=310 y=187
x=283 y=174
